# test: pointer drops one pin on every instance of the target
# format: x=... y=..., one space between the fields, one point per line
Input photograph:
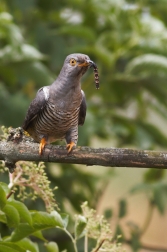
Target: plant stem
x=72 y=239
x=99 y=246
x=86 y=243
x=9 y=194
x=148 y=218
x=13 y=181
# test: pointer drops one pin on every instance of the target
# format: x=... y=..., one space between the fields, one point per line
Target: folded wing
x=82 y=111
x=36 y=106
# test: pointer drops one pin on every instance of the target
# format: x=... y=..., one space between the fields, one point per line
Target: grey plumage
x=58 y=109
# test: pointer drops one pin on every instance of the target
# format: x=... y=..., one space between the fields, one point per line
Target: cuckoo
x=58 y=109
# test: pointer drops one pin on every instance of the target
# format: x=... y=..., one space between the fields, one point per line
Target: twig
x=9 y=194
x=99 y=246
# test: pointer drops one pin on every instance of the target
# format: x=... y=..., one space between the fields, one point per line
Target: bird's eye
x=73 y=62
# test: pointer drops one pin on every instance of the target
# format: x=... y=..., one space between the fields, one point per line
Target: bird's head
x=77 y=64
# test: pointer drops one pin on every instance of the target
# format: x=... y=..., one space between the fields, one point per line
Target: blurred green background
x=128 y=41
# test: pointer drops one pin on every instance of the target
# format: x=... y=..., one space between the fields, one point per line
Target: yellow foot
x=70 y=146
x=42 y=145
x=26 y=133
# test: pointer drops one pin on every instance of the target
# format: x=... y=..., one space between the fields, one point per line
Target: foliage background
x=128 y=41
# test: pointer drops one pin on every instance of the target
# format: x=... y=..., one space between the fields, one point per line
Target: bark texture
x=12 y=152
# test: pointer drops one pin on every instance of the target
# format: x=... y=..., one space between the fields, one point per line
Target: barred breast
x=54 y=124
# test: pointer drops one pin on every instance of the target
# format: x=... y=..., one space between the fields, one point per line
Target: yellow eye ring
x=73 y=62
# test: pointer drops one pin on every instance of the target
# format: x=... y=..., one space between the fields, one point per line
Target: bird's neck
x=68 y=88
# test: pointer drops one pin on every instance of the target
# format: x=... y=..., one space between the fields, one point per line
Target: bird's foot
x=70 y=146
x=42 y=145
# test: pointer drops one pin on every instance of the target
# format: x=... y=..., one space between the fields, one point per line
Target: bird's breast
x=55 y=122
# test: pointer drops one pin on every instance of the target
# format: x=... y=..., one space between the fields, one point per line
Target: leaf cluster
x=23 y=223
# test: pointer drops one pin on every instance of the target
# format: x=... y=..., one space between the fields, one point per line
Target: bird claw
x=42 y=145
x=70 y=146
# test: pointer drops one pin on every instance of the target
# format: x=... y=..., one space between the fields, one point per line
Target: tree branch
x=12 y=152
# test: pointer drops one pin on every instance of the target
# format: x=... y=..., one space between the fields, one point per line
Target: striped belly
x=54 y=123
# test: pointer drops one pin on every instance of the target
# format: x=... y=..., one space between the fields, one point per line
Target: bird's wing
x=82 y=111
x=36 y=106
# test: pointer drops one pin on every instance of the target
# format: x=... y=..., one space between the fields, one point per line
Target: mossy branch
x=11 y=152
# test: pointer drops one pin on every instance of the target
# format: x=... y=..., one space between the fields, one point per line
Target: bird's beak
x=89 y=63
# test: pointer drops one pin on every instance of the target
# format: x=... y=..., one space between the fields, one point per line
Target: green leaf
x=80 y=225
x=5 y=17
x=5 y=187
x=61 y=222
x=52 y=247
x=27 y=244
x=22 y=231
x=153 y=175
x=12 y=215
x=119 y=233
x=143 y=187
x=31 y=53
x=77 y=30
x=150 y=62
x=108 y=213
x=3 y=217
x=39 y=73
x=158 y=200
x=160 y=196
x=158 y=190
x=20 y=53
x=40 y=221
x=39 y=235
x=65 y=218
x=135 y=243
x=10 y=247
x=3 y=199
x=122 y=208
x=23 y=211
